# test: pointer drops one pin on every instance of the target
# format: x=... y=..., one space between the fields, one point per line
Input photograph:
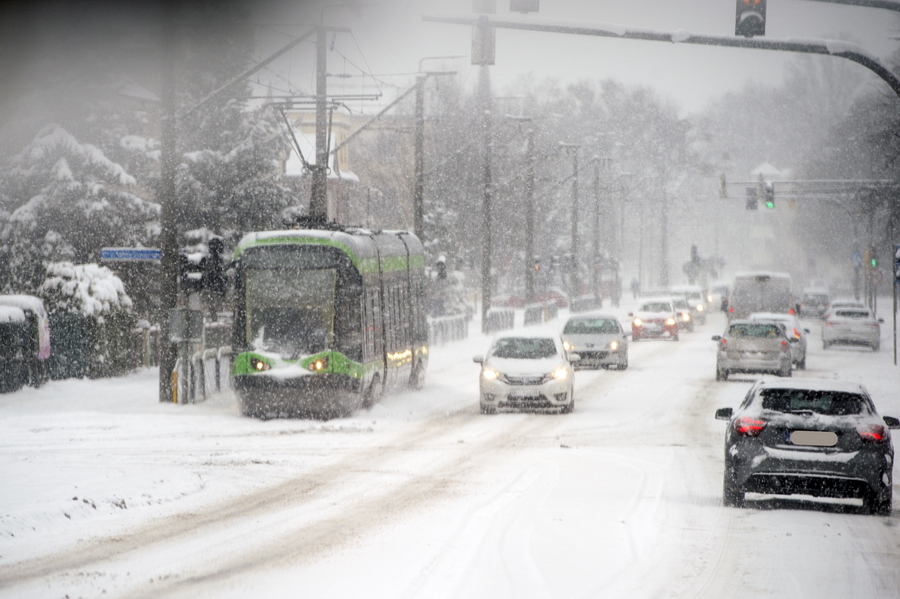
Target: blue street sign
x=130 y=254
x=856 y=259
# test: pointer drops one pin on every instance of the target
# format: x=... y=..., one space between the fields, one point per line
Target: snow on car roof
x=812 y=385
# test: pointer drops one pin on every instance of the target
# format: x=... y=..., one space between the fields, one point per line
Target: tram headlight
x=318 y=365
x=258 y=365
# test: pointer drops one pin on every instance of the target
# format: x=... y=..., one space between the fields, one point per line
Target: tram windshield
x=290 y=311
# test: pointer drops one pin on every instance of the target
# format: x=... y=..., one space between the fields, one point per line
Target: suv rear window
x=830 y=403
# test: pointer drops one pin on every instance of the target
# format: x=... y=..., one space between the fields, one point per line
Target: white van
x=761 y=292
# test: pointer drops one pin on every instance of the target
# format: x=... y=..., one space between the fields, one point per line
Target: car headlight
x=637 y=322
x=687 y=317
x=490 y=374
x=568 y=346
x=670 y=321
x=318 y=365
x=700 y=308
x=560 y=374
x=614 y=345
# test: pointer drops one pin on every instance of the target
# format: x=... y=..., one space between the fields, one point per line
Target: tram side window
x=375 y=307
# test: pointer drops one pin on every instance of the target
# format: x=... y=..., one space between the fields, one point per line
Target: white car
x=851 y=326
x=598 y=339
x=695 y=299
x=527 y=371
x=794 y=329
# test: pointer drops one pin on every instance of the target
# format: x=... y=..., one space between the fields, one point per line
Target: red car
x=656 y=318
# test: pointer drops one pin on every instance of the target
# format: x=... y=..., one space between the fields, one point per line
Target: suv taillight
x=749 y=427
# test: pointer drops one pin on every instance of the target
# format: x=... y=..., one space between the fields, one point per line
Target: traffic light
x=750 y=18
x=752 y=198
x=537 y=265
x=873 y=258
x=190 y=274
x=770 y=196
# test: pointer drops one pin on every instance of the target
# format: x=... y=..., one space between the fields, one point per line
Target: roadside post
x=896 y=280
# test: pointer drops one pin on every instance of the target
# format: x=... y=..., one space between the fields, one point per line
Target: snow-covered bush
x=89 y=312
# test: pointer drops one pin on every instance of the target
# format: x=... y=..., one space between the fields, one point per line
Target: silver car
x=754 y=346
x=794 y=330
x=598 y=339
x=809 y=437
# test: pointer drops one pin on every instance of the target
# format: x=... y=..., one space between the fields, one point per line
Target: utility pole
x=168 y=352
x=574 y=250
x=419 y=186
x=529 y=221
x=595 y=261
x=318 y=201
x=664 y=242
x=484 y=104
x=419 y=189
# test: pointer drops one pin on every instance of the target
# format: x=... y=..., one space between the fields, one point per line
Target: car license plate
x=813 y=438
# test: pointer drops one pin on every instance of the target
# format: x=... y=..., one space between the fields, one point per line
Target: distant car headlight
x=670 y=321
x=638 y=322
x=560 y=374
x=700 y=308
x=490 y=374
x=568 y=346
x=614 y=345
x=686 y=317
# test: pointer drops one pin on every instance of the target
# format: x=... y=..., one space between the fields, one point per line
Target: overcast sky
x=389 y=38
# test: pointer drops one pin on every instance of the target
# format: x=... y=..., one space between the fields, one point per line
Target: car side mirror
x=716 y=337
x=891 y=421
x=574 y=358
x=478 y=359
x=881 y=320
x=724 y=413
x=806 y=330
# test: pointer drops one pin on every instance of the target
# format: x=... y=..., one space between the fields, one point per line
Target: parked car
x=852 y=326
x=35 y=338
x=527 y=371
x=753 y=346
x=685 y=314
x=810 y=437
x=655 y=318
x=794 y=330
x=599 y=339
x=814 y=303
x=696 y=300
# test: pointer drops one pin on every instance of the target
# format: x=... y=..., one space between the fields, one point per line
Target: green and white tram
x=326 y=320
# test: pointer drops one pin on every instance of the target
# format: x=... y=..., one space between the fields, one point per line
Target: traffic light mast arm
x=885 y=4
x=841 y=49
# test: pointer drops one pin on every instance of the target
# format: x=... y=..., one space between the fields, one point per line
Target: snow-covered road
x=106 y=492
